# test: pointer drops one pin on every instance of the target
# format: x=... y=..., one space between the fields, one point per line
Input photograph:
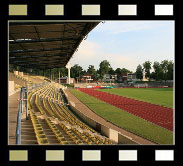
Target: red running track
x=159 y=115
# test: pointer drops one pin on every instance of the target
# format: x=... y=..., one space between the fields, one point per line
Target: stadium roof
x=45 y=45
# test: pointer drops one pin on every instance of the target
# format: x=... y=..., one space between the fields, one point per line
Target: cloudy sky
x=126 y=44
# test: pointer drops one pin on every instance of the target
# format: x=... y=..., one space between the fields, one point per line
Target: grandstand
x=51 y=122
x=40 y=112
x=54 y=123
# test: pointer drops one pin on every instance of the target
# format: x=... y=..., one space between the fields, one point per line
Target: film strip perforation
x=92 y=155
x=123 y=9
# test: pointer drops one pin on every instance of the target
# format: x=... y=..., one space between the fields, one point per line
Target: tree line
x=97 y=74
x=162 y=71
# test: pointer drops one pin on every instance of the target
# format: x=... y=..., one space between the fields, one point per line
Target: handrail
x=18 y=128
x=23 y=96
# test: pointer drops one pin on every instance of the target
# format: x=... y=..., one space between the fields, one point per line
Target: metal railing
x=23 y=98
x=18 y=128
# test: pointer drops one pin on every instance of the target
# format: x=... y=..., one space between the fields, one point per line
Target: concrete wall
x=113 y=135
x=16 y=72
x=105 y=131
x=20 y=74
x=140 y=85
x=110 y=133
x=88 y=121
x=11 y=87
x=123 y=139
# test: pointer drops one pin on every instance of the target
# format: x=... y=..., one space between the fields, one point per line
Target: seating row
x=48 y=102
x=55 y=130
x=69 y=132
x=40 y=135
x=82 y=136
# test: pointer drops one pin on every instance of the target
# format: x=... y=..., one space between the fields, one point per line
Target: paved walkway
x=85 y=110
x=12 y=115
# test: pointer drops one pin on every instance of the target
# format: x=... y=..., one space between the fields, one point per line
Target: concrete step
x=49 y=133
x=27 y=130
x=51 y=137
x=51 y=141
x=28 y=142
x=26 y=125
x=28 y=137
x=28 y=133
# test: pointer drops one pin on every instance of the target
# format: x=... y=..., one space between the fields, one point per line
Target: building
x=65 y=80
x=123 y=77
x=106 y=77
x=110 y=78
x=114 y=77
x=132 y=77
x=87 y=77
x=127 y=77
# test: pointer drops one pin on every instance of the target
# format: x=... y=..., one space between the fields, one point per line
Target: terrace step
x=48 y=132
x=28 y=142
x=27 y=132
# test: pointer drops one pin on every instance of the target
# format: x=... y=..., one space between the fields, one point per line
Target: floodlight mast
x=68 y=66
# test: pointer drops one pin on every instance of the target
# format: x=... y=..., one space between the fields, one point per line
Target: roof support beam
x=16 y=56
x=43 y=40
x=41 y=50
x=44 y=66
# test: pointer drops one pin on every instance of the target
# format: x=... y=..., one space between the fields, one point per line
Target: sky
x=126 y=44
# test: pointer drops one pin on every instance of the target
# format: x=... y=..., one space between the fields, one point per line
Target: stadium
x=45 y=110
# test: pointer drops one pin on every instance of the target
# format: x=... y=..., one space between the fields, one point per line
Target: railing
x=23 y=97
x=18 y=129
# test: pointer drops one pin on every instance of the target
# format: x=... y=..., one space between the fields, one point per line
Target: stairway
x=27 y=133
x=48 y=132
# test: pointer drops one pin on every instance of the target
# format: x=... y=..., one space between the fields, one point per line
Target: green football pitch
x=126 y=120
x=159 y=96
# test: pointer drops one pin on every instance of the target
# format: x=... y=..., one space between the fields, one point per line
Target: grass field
x=159 y=96
x=126 y=120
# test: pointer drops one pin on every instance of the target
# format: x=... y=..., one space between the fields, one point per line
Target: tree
x=147 y=68
x=111 y=71
x=158 y=73
x=118 y=72
x=153 y=75
x=124 y=71
x=76 y=71
x=104 y=68
x=63 y=71
x=170 y=70
x=139 y=72
x=164 y=66
x=92 y=71
x=167 y=69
